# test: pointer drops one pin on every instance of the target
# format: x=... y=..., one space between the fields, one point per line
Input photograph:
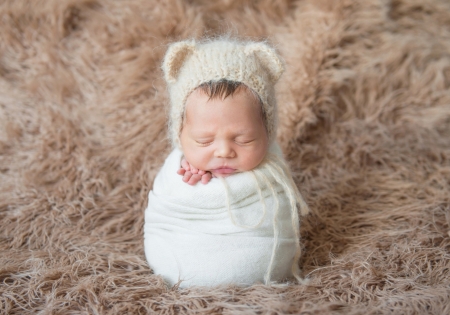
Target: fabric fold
x=221 y=232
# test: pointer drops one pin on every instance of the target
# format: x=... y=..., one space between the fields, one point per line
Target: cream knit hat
x=188 y=64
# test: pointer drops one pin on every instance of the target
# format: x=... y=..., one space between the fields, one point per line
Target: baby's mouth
x=223 y=171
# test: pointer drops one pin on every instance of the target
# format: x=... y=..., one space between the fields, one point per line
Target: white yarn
x=229 y=231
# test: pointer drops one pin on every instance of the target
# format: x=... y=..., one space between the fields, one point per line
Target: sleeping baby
x=234 y=216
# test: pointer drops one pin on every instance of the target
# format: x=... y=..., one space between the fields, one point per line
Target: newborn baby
x=242 y=226
x=223 y=132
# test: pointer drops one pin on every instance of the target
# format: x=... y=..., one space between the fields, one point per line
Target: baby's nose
x=224 y=150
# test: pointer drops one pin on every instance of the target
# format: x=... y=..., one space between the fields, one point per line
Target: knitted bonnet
x=188 y=64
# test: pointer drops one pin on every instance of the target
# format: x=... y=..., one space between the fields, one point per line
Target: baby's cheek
x=197 y=159
x=253 y=159
x=202 y=162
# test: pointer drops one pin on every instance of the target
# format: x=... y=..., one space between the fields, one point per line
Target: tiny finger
x=181 y=171
x=206 y=178
x=185 y=165
x=187 y=176
x=194 y=179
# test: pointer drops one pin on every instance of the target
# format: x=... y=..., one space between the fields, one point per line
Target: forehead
x=242 y=101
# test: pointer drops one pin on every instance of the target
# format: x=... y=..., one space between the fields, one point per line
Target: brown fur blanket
x=364 y=122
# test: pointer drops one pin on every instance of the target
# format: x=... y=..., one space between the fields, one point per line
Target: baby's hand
x=192 y=175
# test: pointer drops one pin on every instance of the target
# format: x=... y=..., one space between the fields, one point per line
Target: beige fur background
x=365 y=124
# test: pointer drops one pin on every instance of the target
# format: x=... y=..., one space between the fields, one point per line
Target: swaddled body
x=223 y=232
x=242 y=225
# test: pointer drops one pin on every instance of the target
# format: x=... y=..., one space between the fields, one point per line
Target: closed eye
x=203 y=143
x=244 y=142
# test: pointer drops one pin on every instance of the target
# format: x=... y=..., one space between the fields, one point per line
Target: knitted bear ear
x=267 y=58
x=175 y=57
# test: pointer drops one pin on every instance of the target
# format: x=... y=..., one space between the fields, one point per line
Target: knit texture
x=240 y=230
x=188 y=64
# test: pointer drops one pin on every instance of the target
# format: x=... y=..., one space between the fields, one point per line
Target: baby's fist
x=192 y=175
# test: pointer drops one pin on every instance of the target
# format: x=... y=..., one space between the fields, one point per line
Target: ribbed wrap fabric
x=242 y=229
x=188 y=64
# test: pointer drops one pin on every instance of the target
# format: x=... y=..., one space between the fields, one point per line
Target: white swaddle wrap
x=241 y=229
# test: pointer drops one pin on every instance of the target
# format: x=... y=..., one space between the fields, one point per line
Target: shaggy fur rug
x=364 y=122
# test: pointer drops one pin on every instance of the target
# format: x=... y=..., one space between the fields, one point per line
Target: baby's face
x=224 y=136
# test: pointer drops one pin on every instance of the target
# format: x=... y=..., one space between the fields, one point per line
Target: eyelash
x=203 y=144
x=243 y=142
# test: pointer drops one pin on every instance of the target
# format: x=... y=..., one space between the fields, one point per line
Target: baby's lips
x=224 y=170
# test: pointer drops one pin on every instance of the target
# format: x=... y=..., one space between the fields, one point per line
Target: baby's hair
x=220 y=89
x=224 y=88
